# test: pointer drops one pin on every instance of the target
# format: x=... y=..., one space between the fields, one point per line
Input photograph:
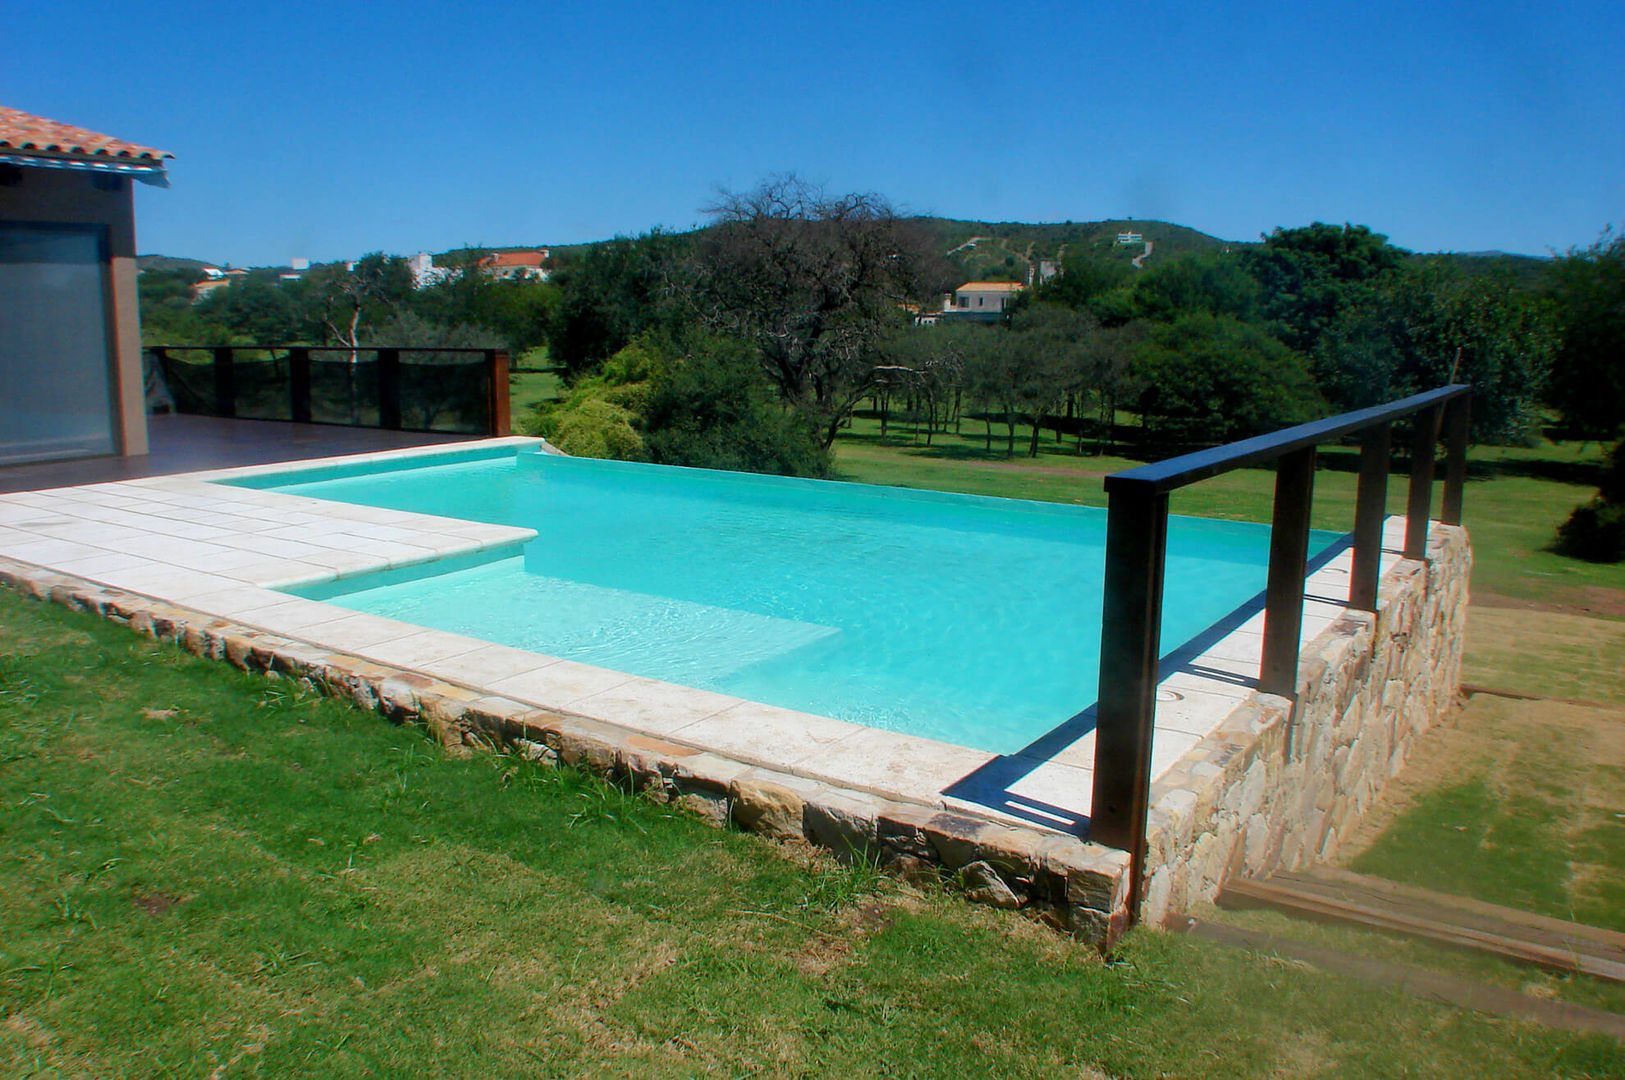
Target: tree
x=707 y=408
x=1211 y=378
x=376 y=288
x=1430 y=324
x=1309 y=275
x=812 y=281
x=612 y=293
x=1588 y=376
x=1214 y=283
x=697 y=401
x=1056 y=340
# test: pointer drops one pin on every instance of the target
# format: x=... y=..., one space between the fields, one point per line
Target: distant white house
x=1130 y=238
x=980 y=299
x=501 y=264
x=424 y=271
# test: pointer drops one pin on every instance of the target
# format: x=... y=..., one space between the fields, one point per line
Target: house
x=70 y=336
x=215 y=278
x=424 y=271
x=516 y=264
x=980 y=300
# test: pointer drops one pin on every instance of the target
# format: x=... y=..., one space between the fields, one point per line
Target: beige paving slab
x=766 y=734
x=298 y=617
x=559 y=684
x=488 y=665
x=47 y=551
x=887 y=761
x=422 y=648
x=655 y=707
x=357 y=632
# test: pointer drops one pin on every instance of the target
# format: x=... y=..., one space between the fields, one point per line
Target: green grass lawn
x=208 y=873
x=1514 y=500
x=533 y=389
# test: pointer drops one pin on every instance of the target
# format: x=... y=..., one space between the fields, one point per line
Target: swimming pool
x=970 y=620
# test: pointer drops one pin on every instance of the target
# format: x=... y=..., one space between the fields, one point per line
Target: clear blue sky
x=328 y=130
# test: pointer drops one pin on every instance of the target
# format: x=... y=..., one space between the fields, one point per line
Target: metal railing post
x=225 y=381
x=1289 y=555
x=1370 y=511
x=299 y=384
x=389 y=389
x=1456 y=414
x=501 y=420
x=1130 y=648
x=1419 y=504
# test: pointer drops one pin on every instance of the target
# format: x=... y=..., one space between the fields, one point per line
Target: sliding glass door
x=56 y=396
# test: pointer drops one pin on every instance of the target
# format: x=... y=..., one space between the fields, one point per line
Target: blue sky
x=327 y=130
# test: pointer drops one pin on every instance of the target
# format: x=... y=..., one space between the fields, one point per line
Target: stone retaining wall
x=1263 y=791
x=1275 y=788
x=1071 y=884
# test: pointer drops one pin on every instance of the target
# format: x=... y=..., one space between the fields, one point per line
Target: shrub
x=600 y=429
x=1596 y=530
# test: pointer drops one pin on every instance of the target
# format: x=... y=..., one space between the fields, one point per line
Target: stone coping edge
x=1073 y=885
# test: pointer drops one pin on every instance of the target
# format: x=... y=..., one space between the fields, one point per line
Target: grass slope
x=209 y=873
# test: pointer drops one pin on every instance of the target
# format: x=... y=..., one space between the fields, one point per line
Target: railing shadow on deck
x=991 y=785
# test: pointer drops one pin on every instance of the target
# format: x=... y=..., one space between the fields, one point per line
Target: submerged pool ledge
x=194 y=560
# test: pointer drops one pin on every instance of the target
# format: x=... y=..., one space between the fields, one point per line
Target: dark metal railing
x=448 y=389
x=1136 y=545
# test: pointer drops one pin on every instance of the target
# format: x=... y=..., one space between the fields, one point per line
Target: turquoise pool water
x=966 y=619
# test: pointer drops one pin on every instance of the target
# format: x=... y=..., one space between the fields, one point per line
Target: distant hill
x=1003 y=250
x=1528 y=271
x=170 y=262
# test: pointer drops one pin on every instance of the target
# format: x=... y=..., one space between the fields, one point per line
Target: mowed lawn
x=207 y=873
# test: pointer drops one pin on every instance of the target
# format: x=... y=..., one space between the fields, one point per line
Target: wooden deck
x=189 y=443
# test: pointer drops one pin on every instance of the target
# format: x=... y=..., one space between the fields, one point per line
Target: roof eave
x=148 y=171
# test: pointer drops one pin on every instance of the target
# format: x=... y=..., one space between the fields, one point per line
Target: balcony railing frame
x=223 y=362
x=1136 y=549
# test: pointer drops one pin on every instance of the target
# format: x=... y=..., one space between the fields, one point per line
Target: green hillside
x=995 y=251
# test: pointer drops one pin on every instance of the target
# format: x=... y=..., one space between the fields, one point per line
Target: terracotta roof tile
x=515 y=258
x=34 y=136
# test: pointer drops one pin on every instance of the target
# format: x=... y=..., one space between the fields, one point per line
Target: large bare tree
x=812 y=281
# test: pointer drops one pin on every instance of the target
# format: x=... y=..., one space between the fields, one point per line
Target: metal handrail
x=222 y=359
x=1136 y=548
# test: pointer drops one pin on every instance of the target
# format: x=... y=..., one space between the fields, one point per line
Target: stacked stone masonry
x=1278 y=786
x=1073 y=885
x=1267 y=789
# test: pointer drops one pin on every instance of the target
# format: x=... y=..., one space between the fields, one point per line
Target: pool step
x=1340 y=896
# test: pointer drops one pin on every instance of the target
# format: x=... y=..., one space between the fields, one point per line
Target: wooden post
x=1456 y=414
x=1419 y=505
x=1289 y=554
x=225 y=381
x=299 y=384
x=1370 y=511
x=501 y=421
x=389 y=389
x=1130 y=648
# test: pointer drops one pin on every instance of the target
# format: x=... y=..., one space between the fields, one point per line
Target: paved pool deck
x=223 y=551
